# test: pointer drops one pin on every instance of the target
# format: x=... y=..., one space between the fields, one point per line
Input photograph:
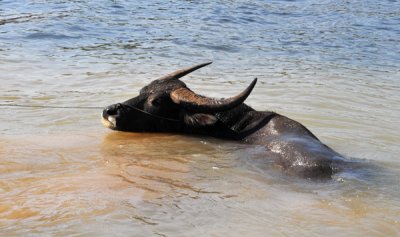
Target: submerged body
x=295 y=149
x=167 y=105
x=297 y=153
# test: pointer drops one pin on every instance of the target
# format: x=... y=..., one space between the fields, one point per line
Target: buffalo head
x=167 y=105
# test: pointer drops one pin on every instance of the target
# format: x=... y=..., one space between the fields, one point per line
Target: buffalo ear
x=200 y=119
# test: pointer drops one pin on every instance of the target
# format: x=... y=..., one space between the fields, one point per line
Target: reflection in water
x=173 y=184
x=157 y=164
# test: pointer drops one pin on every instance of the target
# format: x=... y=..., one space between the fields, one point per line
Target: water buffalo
x=168 y=105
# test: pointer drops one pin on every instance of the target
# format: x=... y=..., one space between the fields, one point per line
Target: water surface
x=332 y=65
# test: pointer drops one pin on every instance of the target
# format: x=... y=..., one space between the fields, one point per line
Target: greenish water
x=332 y=65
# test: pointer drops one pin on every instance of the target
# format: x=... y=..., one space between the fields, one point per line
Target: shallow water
x=332 y=65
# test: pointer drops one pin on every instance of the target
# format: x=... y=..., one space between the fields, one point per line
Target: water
x=332 y=65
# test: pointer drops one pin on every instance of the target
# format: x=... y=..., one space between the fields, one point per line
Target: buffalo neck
x=237 y=123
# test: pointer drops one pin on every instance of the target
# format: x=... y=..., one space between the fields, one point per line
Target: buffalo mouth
x=109 y=122
x=109 y=117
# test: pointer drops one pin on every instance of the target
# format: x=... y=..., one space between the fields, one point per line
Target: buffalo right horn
x=200 y=104
x=182 y=72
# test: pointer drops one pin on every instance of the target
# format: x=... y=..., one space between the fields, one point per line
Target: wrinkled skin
x=167 y=105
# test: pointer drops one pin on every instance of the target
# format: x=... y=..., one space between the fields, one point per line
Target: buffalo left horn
x=182 y=72
x=200 y=104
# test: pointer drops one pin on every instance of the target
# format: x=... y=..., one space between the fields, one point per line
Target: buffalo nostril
x=111 y=111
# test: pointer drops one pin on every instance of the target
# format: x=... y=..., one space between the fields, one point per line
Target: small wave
x=20 y=19
x=44 y=35
x=226 y=48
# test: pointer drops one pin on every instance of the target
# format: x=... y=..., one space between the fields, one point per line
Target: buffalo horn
x=200 y=104
x=182 y=72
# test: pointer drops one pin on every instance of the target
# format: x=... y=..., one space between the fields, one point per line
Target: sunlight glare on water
x=332 y=65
